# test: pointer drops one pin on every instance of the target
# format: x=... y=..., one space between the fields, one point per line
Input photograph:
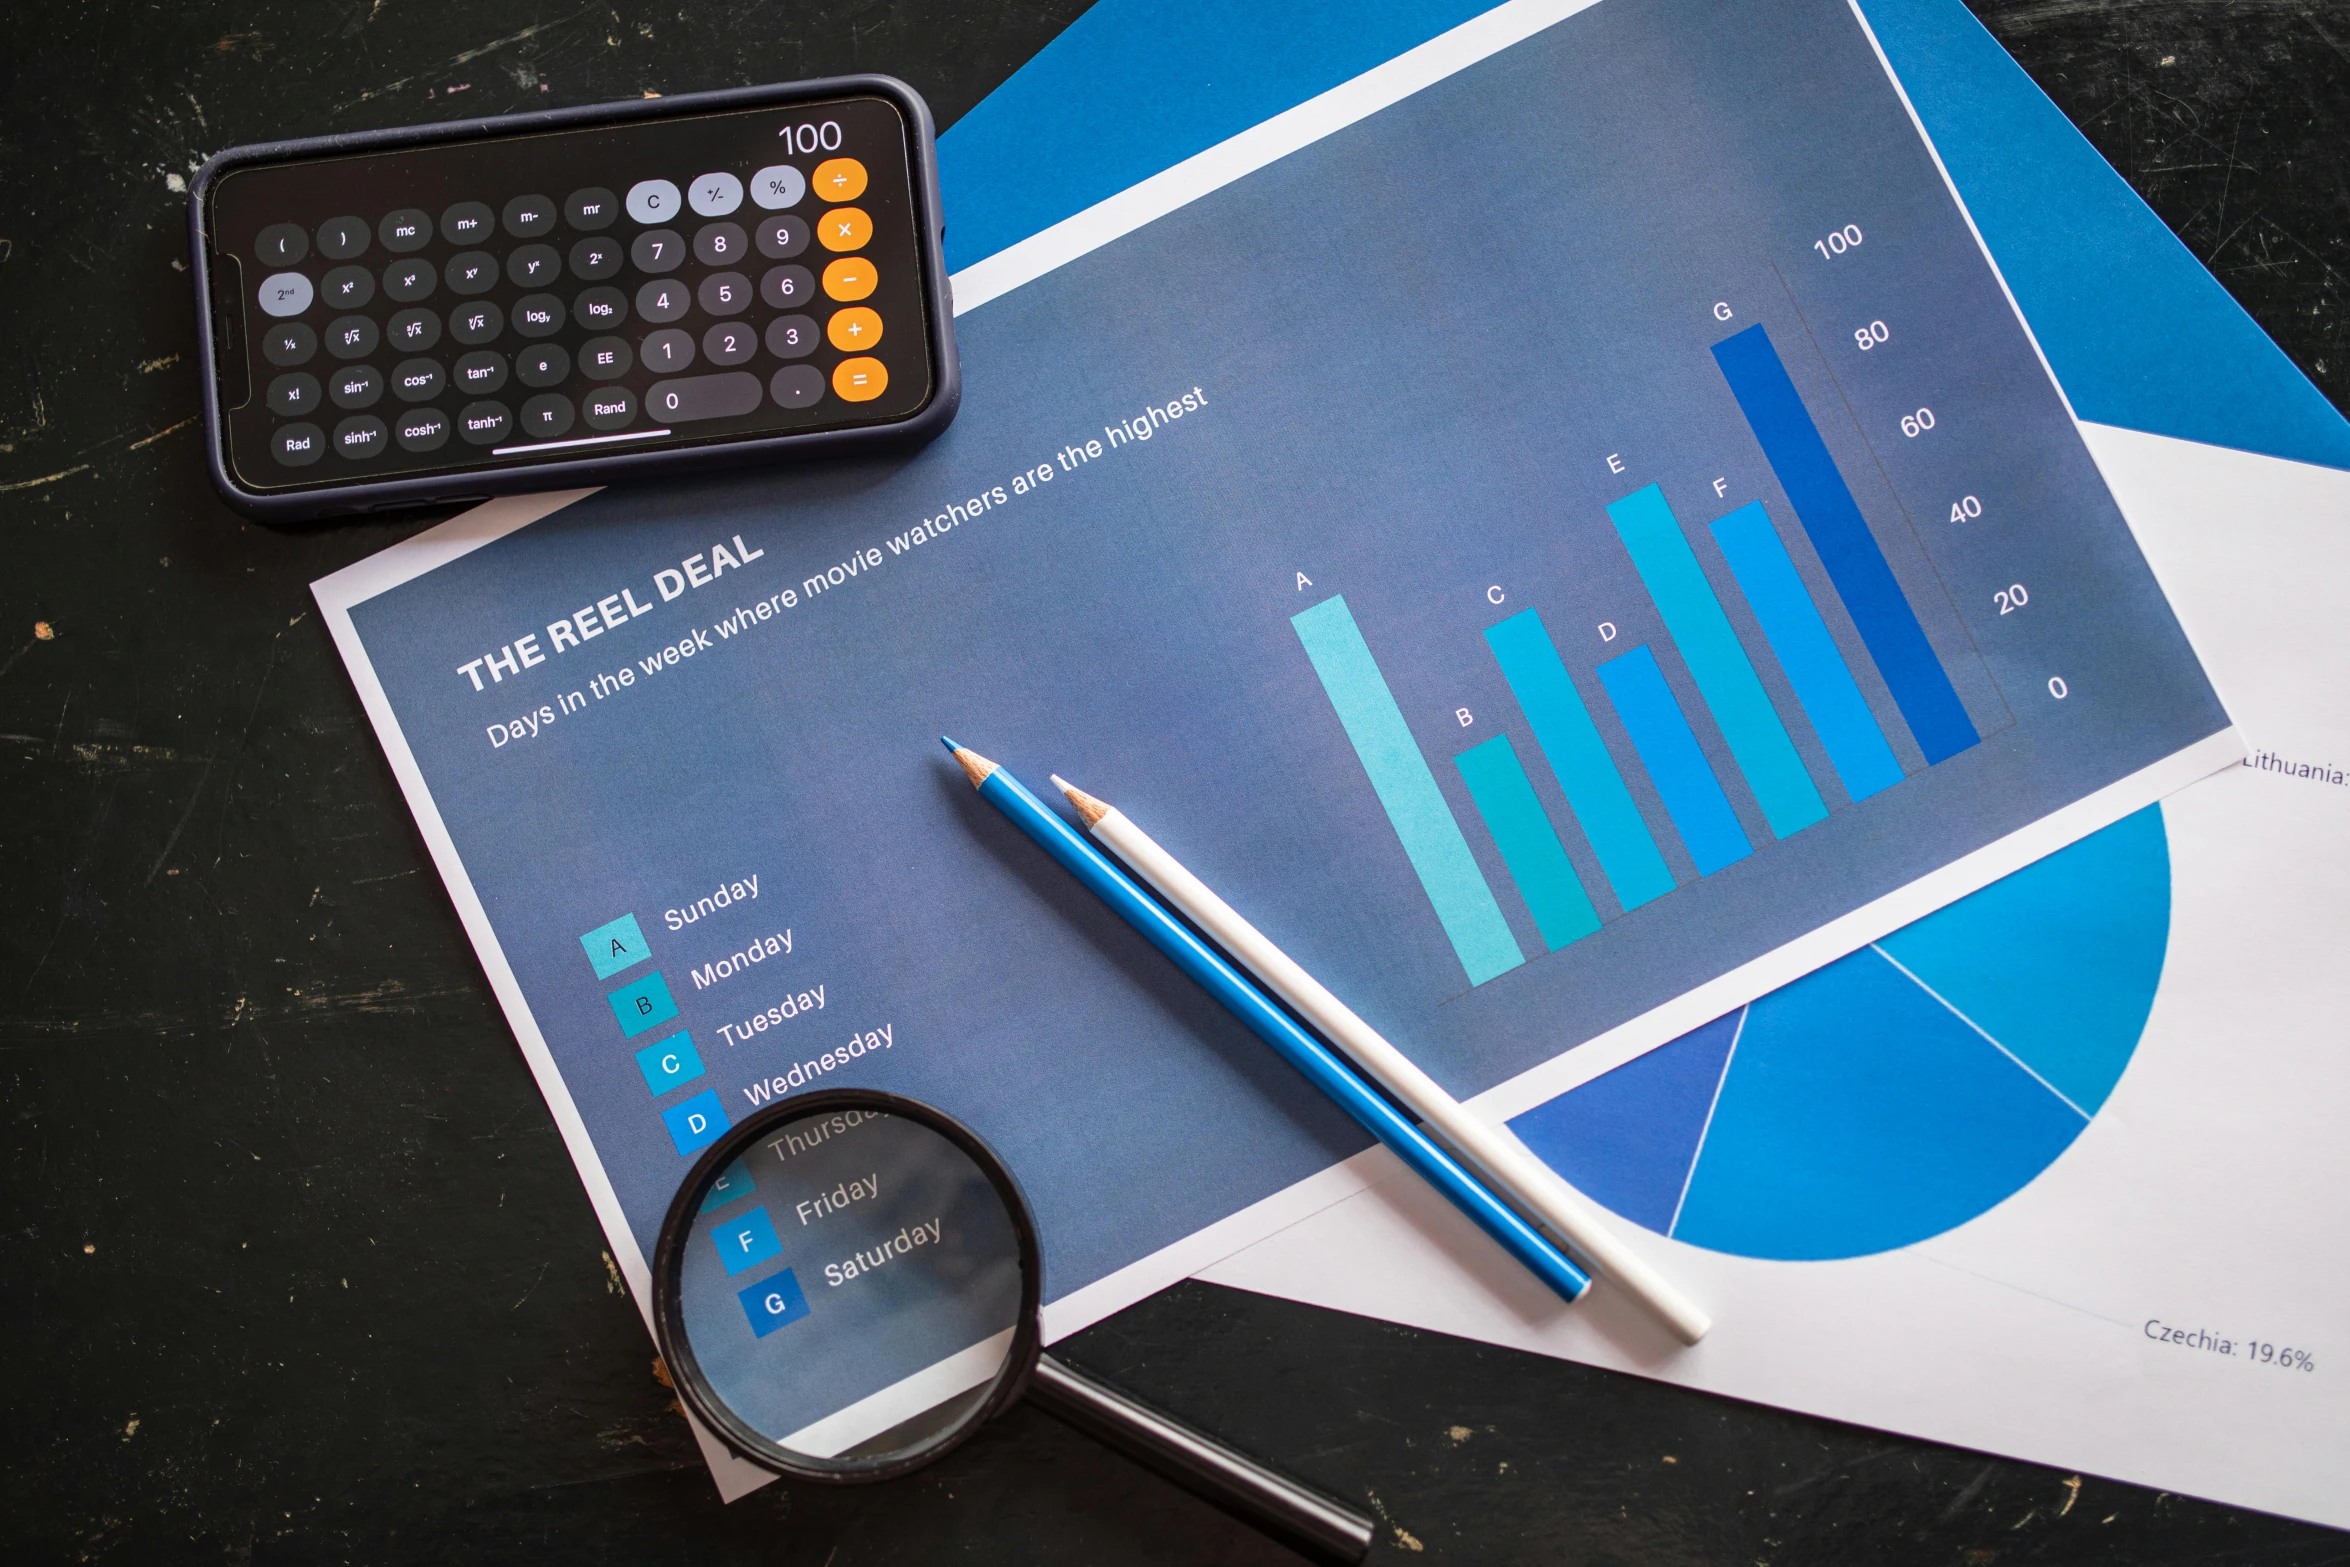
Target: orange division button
x=859 y=380
x=844 y=228
x=851 y=277
x=854 y=330
x=838 y=179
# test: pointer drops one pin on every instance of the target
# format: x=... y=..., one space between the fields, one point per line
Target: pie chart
x=1898 y=1092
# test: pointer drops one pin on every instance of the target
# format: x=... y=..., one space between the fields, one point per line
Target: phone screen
x=518 y=300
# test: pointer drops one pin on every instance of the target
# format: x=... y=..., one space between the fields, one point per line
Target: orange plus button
x=844 y=228
x=859 y=380
x=851 y=277
x=839 y=179
x=854 y=329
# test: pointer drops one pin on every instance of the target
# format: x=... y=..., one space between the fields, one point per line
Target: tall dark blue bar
x=1831 y=517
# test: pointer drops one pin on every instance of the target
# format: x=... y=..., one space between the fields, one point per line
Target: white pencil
x=1516 y=1174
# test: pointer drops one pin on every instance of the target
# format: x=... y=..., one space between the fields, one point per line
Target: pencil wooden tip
x=975 y=767
x=1089 y=808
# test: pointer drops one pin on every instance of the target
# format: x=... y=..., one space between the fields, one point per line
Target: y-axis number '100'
x=1839 y=242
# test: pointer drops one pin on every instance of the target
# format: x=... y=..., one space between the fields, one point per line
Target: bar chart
x=1661 y=753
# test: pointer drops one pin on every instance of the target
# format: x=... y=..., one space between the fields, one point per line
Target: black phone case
x=581 y=473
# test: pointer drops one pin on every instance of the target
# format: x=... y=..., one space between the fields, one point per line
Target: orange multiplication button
x=859 y=380
x=854 y=330
x=844 y=228
x=838 y=179
x=851 y=277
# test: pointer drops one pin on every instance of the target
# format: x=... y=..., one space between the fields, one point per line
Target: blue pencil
x=1276 y=1027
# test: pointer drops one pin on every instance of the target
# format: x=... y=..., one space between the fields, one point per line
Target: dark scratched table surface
x=293 y=1267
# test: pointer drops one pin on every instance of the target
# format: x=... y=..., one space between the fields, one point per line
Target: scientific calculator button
x=347 y=288
x=668 y=350
x=593 y=260
x=281 y=245
x=418 y=380
x=352 y=337
x=778 y=186
x=285 y=294
x=467 y=223
x=606 y=358
x=480 y=373
x=485 y=424
x=408 y=281
x=408 y=229
x=787 y=287
x=356 y=386
x=610 y=408
x=715 y=195
x=534 y=266
x=724 y=294
x=412 y=331
x=538 y=315
x=726 y=395
x=297 y=393
x=591 y=208
x=654 y=201
x=791 y=337
x=796 y=386
x=476 y=324
x=783 y=237
x=361 y=436
x=600 y=309
x=289 y=343
x=663 y=300
x=859 y=380
x=839 y=179
x=844 y=228
x=658 y=250
x=471 y=272
x=546 y=416
x=851 y=278
x=298 y=445
x=421 y=430
x=721 y=244
x=527 y=217
x=730 y=343
x=545 y=365
x=854 y=330
x=339 y=239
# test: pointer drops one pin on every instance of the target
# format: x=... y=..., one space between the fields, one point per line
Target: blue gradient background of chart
x=1419 y=339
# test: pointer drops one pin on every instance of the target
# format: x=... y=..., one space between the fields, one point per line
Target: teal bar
x=1570 y=742
x=1791 y=623
x=1724 y=675
x=1546 y=878
x=1399 y=775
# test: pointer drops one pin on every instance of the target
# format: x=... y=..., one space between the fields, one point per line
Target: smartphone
x=547 y=301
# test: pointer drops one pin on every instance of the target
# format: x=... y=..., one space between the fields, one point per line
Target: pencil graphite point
x=975 y=767
x=1091 y=809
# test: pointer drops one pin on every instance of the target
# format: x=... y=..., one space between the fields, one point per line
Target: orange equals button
x=859 y=380
x=854 y=330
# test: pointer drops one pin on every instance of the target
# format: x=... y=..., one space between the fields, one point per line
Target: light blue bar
x=1693 y=796
x=1822 y=680
x=1724 y=676
x=1399 y=775
x=1570 y=741
x=1545 y=876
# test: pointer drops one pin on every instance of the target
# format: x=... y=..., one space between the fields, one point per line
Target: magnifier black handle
x=1308 y=1522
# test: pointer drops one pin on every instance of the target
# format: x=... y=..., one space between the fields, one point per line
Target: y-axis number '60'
x=1917 y=424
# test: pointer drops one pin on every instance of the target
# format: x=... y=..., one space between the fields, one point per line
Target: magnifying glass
x=846 y=1288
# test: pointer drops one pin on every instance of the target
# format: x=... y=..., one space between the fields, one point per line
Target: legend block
x=616 y=946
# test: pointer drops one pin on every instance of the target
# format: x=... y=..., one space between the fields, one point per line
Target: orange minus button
x=844 y=228
x=859 y=380
x=854 y=330
x=851 y=277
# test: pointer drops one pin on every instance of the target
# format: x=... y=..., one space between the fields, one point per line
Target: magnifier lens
x=850 y=1289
